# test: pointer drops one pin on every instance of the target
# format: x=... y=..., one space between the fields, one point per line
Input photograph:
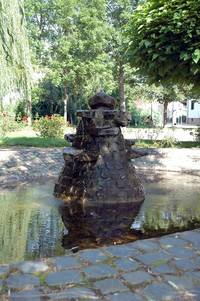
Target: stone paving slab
x=64 y=277
x=166 y=268
x=18 y=281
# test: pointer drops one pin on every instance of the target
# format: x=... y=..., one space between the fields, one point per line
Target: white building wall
x=193 y=109
x=175 y=112
x=193 y=113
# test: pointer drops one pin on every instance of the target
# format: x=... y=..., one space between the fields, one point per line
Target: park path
x=27 y=164
x=18 y=164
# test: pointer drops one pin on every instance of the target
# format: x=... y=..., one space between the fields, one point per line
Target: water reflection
x=89 y=226
x=30 y=225
x=172 y=203
x=33 y=224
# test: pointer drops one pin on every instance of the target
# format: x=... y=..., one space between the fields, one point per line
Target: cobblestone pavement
x=166 y=268
x=27 y=164
x=20 y=164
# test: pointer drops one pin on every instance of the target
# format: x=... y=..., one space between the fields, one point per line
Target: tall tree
x=75 y=35
x=84 y=46
x=42 y=29
x=15 y=68
x=119 y=13
x=79 y=61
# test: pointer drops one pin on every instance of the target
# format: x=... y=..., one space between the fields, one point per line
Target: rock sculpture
x=98 y=180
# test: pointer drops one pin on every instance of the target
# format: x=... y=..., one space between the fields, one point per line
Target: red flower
x=25 y=118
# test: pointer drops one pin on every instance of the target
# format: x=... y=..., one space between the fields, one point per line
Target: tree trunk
x=1 y=105
x=165 y=105
x=121 y=88
x=29 y=103
x=29 y=112
x=65 y=102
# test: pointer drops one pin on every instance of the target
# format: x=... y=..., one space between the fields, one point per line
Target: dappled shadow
x=27 y=164
x=170 y=160
x=150 y=177
x=153 y=158
x=18 y=164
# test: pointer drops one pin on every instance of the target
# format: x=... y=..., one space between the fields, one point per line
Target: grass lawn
x=32 y=141
x=60 y=142
x=29 y=138
x=166 y=144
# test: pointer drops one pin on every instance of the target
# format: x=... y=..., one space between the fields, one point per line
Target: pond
x=33 y=224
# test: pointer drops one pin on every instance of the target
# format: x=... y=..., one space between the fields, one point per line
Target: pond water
x=33 y=224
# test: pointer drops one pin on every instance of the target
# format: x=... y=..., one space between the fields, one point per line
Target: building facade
x=177 y=113
x=187 y=113
x=193 y=112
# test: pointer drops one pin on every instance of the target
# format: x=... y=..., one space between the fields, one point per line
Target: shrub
x=20 y=110
x=198 y=135
x=168 y=142
x=8 y=123
x=50 y=126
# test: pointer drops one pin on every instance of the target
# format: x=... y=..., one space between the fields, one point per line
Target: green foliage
x=165 y=40
x=139 y=118
x=50 y=126
x=167 y=141
x=158 y=143
x=80 y=61
x=15 y=67
x=140 y=89
x=40 y=16
x=20 y=111
x=32 y=142
x=119 y=13
x=80 y=46
x=70 y=38
x=198 y=134
x=46 y=99
x=8 y=123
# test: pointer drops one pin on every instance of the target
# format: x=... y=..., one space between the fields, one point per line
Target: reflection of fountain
x=98 y=179
x=88 y=226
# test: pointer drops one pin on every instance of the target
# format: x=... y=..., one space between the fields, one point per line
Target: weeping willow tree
x=15 y=65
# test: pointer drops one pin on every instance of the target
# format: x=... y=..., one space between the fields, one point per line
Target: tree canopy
x=81 y=45
x=165 y=41
x=15 y=66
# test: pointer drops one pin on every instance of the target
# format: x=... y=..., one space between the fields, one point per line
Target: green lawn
x=166 y=144
x=60 y=142
x=27 y=137
x=32 y=141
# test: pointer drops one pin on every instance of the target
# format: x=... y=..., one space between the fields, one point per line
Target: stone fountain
x=98 y=181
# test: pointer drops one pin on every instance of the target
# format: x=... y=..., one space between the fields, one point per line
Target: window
x=192 y=105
